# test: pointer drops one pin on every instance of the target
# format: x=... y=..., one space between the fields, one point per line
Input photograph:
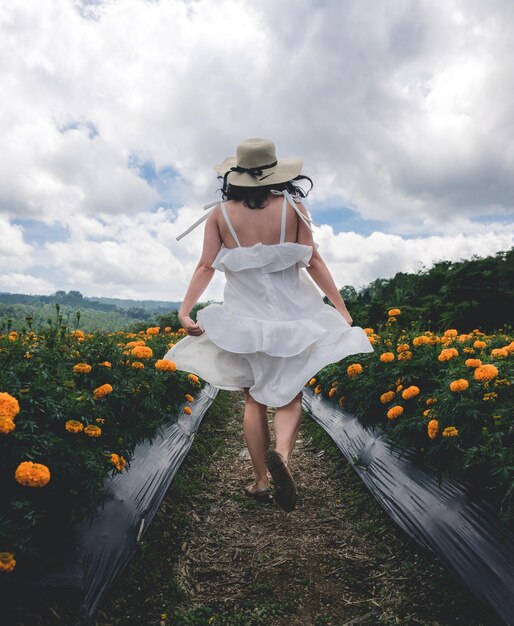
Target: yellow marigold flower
x=82 y=368
x=106 y=364
x=154 y=330
x=31 y=474
x=410 y=392
x=189 y=397
x=490 y=396
x=118 y=461
x=7 y=425
x=332 y=392
x=394 y=412
x=312 y=382
x=460 y=384
x=354 y=369
x=74 y=426
x=392 y=312
x=187 y=410
x=403 y=347
x=317 y=389
x=450 y=431
x=499 y=353
x=92 y=430
x=9 y=406
x=137 y=365
x=447 y=353
x=102 y=391
x=387 y=397
x=433 y=428
x=165 y=365
x=7 y=562
x=387 y=357
x=142 y=352
x=479 y=344
x=167 y=329
x=485 y=372
x=193 y=378
x=472 y=362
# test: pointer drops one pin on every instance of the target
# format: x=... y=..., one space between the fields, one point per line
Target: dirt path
x=336 y=560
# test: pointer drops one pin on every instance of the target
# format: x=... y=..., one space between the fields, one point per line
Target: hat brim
x=282 y=172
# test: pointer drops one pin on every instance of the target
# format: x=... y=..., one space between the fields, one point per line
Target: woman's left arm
x=203 y=273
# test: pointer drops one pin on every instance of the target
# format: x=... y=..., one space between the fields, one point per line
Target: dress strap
x=230 y=227
x=283 y=221
x=289 y=198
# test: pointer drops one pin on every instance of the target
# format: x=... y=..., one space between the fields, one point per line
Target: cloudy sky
x=113 y=113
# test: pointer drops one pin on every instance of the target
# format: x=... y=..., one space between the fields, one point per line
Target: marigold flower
x=189 y=397
x=392 y=312
x=429 y=401
x=399 y=387
x=447 y=353
x=30 y=474
x=82 y=368
x=317 y=389
x=164 y=365
x=421 y=340
x=490 y=396
x=459 y=385
x=187 y=410
x=368 y=331
x=167 y=329
x=433 y=428
x=485 y=372
x=451 y=332
x=106 y=364
x=77 y=333
x=171 y=344
x=354 y=369
x=387 y=357
x=479 y=344
x=405 y=356
x=450 y=431
x=312 y=382
x=92 y=430
x=394 y=412
x=332 y=392
x=102 y=391
x=410 y=392
x=154 y=330
x=472 y=362
x=74 y=426
x=118 y=461
x=137 y=365
x=499 y=353
x=193 y=378
x=7 y=562
x=142 y=352
x=7 y=425
x=9 y=406
x=387 y=397
x=403 y=347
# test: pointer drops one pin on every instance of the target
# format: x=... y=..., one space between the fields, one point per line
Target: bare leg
x=286 y=425
x=257 y=437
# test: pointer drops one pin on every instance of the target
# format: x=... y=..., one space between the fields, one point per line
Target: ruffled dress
x=273 y=331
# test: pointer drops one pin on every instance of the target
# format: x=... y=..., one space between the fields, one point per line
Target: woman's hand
x=189 y=326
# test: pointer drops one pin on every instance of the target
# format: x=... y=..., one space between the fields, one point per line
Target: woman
x=273 y=331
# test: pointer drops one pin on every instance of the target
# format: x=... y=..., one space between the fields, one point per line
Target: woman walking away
x=273 y=331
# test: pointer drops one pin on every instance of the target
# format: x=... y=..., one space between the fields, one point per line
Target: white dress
x=273 y=331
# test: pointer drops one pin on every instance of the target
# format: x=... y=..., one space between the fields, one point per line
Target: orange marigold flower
x=9 y=406
x=332 y=392
x=392 y=312
x=7 y=425
x=403 y=347
x=167 y=329
x=394 y=412
x=30 y=474
x=485 y=372
x=189 y=397
x=405 y=356
x=317 y=389
x=187 y=410
x=459 y=385
x=421 y=340
x=193 y=378
x=132 y=344
x=399 y=387
x=450 y=431
x=368 y=331
x=137 y=365
x=387 y=357
x=447 y=353
x=170 y=345
x=410 y=392
x=478 y=343
x=499 y=353
x=74 y=426
x=77 y=333
x=102 y=391
x=118 y=461
x=354 y=369
x=433 y=428
x=429 y=401
x=82 y=368
x=7 y=562
x=142 y=352
x=312 y=382
x=105 y=364
x=164 y=365
x=387 y=397
x=92 y=430
x=451 y=332
x=153 y=330
x=473 y=362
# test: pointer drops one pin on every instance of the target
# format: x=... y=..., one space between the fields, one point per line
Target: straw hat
x=256 y=165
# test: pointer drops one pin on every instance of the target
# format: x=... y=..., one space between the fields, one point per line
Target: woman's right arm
x=318 y=270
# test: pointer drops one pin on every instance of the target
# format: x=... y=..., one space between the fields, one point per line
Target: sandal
x=285 y=492
x=263 y=494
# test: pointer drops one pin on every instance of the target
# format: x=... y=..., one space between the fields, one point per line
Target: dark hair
x=255 y=197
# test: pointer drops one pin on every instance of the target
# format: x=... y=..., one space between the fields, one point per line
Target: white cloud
x=15 y=254
x=25 y=283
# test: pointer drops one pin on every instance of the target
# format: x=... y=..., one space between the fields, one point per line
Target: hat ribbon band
x=253 y=171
